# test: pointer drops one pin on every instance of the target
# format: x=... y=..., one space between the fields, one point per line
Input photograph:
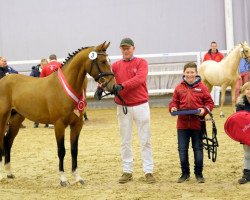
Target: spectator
x=49 y=69
x=244 y=68
x=191 y=89
x=51 y=66
x=35 y=72
x=243 y=103
x=215 y=55
x=131 y=73
x=4 y=70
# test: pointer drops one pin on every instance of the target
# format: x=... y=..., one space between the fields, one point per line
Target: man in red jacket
x=190 y=94
x=131 y=73
x=51 y=66
x=214 y=54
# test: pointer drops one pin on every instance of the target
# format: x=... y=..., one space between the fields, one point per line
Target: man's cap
x=127 y=42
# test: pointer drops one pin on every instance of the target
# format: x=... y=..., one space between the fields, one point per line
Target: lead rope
x=98 y=96
x=210 y=144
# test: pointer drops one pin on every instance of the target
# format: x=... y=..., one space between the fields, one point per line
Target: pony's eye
x=104 y=62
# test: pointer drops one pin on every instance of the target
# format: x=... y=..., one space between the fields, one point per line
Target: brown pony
x=45 y=100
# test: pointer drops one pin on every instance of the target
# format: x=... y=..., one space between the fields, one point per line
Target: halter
x=210 y=144
x=101 y=74
x=244 y=53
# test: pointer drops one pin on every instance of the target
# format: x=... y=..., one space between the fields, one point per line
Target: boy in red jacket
x=190 y=94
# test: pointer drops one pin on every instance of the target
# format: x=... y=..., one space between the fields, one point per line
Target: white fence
x=165 y=70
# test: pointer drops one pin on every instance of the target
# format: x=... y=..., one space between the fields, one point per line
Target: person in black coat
x=35 y=72
x=5 y=69
x=243 y=103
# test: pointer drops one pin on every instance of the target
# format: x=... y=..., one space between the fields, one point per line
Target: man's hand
x=98 y=93
x=117 y=89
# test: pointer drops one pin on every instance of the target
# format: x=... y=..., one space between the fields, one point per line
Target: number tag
x=92 y=55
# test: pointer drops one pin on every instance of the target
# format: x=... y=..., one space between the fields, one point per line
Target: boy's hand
x=173 y=109
x=202 y=111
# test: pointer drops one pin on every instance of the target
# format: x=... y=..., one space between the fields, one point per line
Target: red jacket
x=132 y=75
x=218 y=56
x=190 y=97
x=50 y=68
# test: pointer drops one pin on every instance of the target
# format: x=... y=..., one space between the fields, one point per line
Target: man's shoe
x=22 y=126
x=184 y=177
x=126 y=177
x=199 y=178
x=150 y=178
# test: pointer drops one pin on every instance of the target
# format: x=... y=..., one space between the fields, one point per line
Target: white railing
x=162 y=69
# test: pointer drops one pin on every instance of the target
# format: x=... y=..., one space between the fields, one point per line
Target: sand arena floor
x=35 y=164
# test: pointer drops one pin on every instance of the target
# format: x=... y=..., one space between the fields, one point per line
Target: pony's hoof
x=11 y=176
x=64 y=183
x=222 y=116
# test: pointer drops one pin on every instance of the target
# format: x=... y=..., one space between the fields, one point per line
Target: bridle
x=244 y=55
x=100 y=73
x=210 y=144
x=104 y=74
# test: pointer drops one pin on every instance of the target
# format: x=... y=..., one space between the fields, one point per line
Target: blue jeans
x=184 y=136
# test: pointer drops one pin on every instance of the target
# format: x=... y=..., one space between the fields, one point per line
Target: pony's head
x=245 y=51
x=100 y=68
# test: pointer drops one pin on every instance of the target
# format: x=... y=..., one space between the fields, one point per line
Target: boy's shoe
x=150 y=178
x=184 y=177
x=246 y=177
x=199 y=178
x=126 y=177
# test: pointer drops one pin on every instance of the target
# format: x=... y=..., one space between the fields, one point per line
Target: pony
x=56 y=99
x=224 y=73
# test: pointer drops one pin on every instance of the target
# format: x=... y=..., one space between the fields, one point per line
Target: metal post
x=229 y=24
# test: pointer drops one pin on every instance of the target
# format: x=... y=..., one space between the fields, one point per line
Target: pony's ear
x=106 y=46
x=100 y=47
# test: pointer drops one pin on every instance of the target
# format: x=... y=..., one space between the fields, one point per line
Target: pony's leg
x=3 y=122
x=233 y=95
x=60 y=133
x=223 y=93
x=75 y=130
x=14 y=126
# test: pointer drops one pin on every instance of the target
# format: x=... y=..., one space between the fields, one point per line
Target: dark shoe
x=36 y=125
x=242 y=180
x=46 y=126
x=150 y=178
x=22 y=126
x=85 y=116
x=199 y=178
x=126 y=177
x=245 y=178
x=184 y=177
